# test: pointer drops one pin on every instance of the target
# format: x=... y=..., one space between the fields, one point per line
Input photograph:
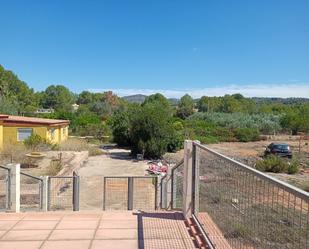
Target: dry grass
x=95 y=151
x=74 y=144
x=17 y=151
x=54 y=168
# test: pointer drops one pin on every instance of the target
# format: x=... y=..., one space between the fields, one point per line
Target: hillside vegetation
x=156 y=124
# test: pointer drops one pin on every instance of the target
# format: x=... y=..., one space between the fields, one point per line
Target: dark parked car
x=282 y=150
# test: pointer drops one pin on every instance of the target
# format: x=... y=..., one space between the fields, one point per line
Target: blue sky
x=212 y=47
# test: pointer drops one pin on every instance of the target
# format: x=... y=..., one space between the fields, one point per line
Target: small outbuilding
x=15 y=129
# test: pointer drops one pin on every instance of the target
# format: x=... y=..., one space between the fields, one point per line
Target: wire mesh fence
x=30 y=192
x=4 y=188
x=126 y=193
x=240 y=207
x=60 y=193
x=91 y=193
x=144 y=193
x=177 y=186
x=115 y=193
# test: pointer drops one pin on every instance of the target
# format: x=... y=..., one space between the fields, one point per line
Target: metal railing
x=177 y=176
x=240 y=207
x=31 y=192
x=5 y=186
x=130 y=192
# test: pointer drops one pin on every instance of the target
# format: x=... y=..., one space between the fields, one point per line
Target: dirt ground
x=249 y=153
x=116 y=162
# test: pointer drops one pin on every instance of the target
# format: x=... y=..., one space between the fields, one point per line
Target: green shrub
x=277 y=164
x=95 y=151
x=54 y=168
x=265 y=123
x=247 y=134
x=36 y=142
x=293 y=166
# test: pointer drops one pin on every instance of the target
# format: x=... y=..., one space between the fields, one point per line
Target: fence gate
x=31 y=192
x=63 y=192
x=128 y=193
x=5 y=183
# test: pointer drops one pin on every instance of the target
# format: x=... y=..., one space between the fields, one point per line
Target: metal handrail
x=3 y=167
x=288 y=187
x=31 y=176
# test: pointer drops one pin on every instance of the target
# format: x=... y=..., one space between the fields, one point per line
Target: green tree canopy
x=58 y=97
x=185 y=107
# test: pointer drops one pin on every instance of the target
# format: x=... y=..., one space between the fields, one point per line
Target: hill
x=137 y=98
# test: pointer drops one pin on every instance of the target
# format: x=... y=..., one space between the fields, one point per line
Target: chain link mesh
x=239 y=208
x=177 y=186
x=30 y=193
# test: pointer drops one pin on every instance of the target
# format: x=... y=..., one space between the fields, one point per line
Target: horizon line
x=300 y=90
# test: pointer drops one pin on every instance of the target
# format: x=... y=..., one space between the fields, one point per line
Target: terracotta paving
x=94 y=230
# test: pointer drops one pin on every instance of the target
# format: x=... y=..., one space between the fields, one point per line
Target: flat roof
x=32 y=120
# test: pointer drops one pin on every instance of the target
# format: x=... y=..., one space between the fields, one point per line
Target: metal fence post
x=75 y=192
x=15 y=187
x=195 y=178
x=163 y=191
x=187 y=181
x=157 y=189
x=130 y=193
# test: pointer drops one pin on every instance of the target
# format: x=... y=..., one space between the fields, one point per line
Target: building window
x=64 y=131
x=23 y=133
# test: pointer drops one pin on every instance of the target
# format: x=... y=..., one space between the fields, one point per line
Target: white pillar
x=45 y=194
x=15 y=187
x=187 y=180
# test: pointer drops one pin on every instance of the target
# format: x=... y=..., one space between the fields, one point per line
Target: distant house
x=15 y=129
x=75 y=107
x=44 y=110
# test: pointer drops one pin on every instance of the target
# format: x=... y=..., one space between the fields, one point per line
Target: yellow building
x=15 y=129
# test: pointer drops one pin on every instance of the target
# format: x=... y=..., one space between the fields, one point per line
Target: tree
x=85 y=98
x=185 y=107
x=151 y=130
x=13 y=90
x=121 y=123
x=157 y=98
x=58 y=97
x=8 y=106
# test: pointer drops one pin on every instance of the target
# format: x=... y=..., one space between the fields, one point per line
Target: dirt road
x=117 y=162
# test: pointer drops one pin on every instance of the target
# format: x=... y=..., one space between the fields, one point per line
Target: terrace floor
x=93 y=230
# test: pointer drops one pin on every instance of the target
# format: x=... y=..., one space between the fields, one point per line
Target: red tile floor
x=85 y=230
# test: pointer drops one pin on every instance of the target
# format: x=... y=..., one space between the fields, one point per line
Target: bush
x=247 y=134
x=265 y=123
x=277 y=164
x=36 y=142
x=95 y=151
x=151 y=130
x=293 y=167
x=54 y=168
